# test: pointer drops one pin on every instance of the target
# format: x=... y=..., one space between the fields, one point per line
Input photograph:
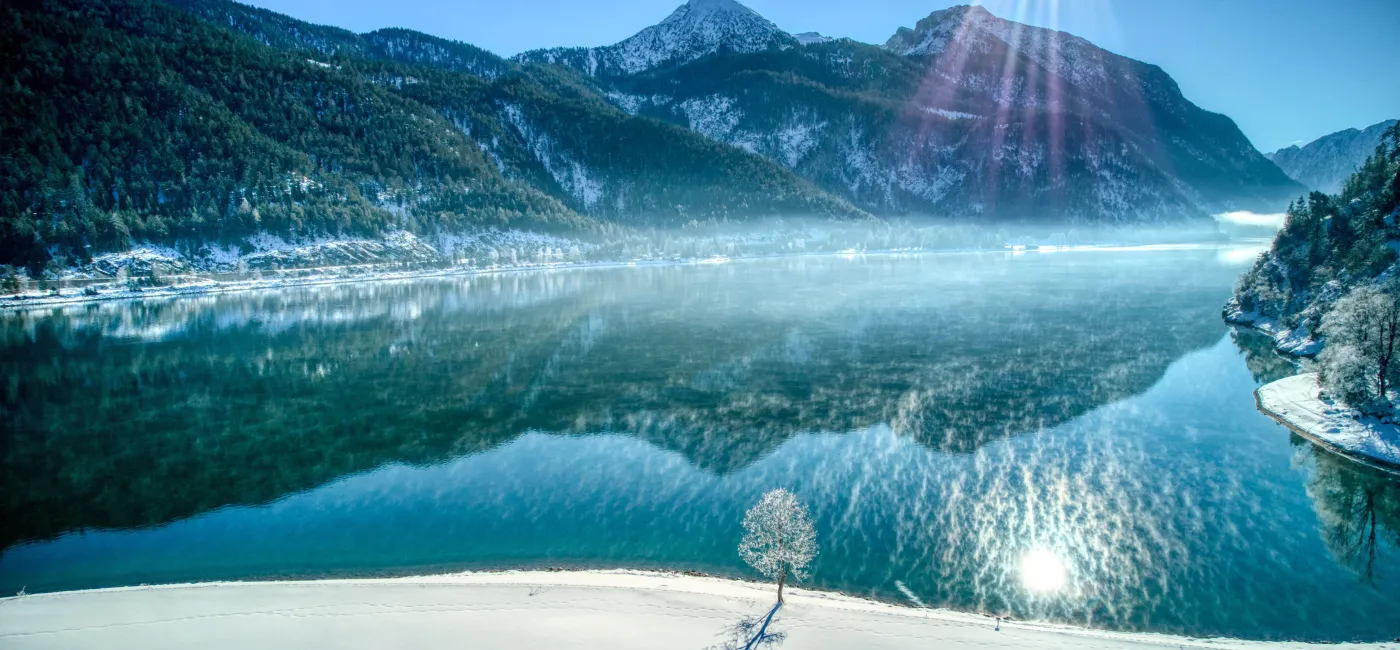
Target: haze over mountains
x=196 y=121
x=1325 y=163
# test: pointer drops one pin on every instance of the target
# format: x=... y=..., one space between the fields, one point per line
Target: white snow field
x=1296 y=402
x=602 y=610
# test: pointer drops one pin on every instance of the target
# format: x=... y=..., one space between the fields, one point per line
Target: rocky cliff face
x=1325 y=163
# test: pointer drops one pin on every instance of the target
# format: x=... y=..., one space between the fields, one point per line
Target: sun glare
x=1042 y=571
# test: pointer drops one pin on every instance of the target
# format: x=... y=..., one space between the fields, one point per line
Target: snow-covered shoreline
x=1296 y=402
x=522 y=609
x=302 y=278
x=1297 y=341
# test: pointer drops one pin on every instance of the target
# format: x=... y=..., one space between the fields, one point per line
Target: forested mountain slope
x=198 y=122
x=287 y=33
x=129 y=120
x=548 y=127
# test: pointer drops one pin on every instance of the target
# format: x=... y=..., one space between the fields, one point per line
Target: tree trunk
x=782 y=578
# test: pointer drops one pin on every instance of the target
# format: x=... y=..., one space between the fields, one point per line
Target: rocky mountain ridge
x=1325 y=163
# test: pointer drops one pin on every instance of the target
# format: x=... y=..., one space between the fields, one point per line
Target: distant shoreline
x=338 y=275
x=602 y=610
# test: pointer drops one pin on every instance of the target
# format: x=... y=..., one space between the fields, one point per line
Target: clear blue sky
x=1285 y=70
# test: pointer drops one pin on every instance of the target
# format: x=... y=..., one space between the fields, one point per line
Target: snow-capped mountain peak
x=699 y=28
x=696 y=29
x=698 y=9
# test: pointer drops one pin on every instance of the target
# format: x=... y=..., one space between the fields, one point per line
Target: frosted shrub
x=9 y=280
x=779 y=538
x=1361 y=333
x=1258 y=290
x=1346 y=375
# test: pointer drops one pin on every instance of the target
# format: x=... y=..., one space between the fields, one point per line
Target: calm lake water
x=1064 y=436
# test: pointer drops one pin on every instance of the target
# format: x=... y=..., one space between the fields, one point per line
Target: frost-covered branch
x=779 y=538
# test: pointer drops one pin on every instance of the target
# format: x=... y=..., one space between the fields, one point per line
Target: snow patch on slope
x=714 y=116
x=633 y=104
x=953 y=115
x=797 y=139
x=719 y=118
x=571 y=175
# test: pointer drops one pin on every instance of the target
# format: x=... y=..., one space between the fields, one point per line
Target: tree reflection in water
x=1358 y=510
x=1264 y=361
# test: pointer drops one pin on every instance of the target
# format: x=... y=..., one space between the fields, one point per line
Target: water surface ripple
x=1067 y=437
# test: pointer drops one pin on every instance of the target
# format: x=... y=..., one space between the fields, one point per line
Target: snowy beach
x=1296 y=403
x=531 y=609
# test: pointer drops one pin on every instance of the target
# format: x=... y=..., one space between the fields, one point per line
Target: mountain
x=211 y=122
x=199 y=124
x=964 y=115
x=1325 y=163
x=694 y=30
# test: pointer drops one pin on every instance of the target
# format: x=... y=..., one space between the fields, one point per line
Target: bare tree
x=779 y=538
x=1362 y=330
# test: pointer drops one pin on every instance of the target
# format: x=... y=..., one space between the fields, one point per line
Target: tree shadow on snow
x=752 y=632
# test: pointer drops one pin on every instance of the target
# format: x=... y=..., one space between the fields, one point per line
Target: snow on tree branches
x=1358 y=364
x=779 y=538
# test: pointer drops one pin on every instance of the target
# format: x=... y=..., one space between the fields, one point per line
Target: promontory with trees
x=1329 y=288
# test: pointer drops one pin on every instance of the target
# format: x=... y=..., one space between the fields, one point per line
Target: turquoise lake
x=1061 y=436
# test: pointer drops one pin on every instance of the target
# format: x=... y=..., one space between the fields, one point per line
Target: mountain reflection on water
x=946 y=416
x=132 y=414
